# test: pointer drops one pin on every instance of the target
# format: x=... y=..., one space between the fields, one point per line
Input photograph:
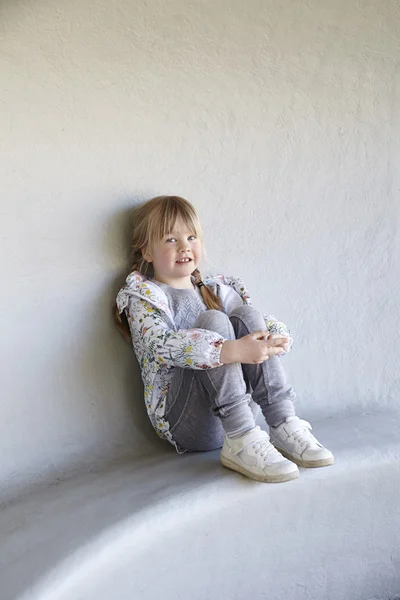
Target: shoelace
x=264 y=448
x=304 y=437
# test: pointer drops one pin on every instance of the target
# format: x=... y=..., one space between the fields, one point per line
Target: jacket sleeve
x=275 y=326
x=186 y=348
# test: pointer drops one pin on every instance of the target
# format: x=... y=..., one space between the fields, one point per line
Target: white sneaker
x=254 y=456
x=293 y=438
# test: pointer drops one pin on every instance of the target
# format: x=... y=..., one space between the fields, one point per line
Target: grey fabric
x=204 y=404
x=267 y=382
x=185 y=305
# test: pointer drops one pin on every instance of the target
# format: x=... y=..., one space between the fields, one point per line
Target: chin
x=185 y=269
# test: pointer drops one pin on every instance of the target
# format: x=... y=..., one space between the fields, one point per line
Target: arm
x=251 y=349
x=186 y=348
x=234 y=294
x=276 y=328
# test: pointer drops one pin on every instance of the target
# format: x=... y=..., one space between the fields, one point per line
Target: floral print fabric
x=160 y=347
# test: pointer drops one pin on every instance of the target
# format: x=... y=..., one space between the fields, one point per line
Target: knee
x=214 y=320
x=247 y=311
x=250 y=316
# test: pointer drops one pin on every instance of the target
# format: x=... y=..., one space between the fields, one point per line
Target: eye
x=171 y=240
x=191 y=237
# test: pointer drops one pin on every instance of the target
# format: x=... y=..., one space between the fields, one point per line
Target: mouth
x=184 y=260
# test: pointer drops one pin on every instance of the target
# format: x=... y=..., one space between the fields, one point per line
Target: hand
x=284 y=340
x=253 y=349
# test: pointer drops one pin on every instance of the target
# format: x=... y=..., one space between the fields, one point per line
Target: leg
x=267 y=381
x=202 y=405
x=289 y=434
x=197 y=398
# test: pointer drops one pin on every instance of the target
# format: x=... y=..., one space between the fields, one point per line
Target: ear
x=146 y=255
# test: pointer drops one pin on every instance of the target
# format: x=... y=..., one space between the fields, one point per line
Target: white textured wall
x=279 y=120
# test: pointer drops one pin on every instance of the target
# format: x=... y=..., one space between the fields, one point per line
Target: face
x=175 y=256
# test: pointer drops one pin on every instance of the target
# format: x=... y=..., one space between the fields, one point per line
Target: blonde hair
x=152 y=221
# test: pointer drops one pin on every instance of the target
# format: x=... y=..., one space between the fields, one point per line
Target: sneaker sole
x=265 y=479
x=308 y=464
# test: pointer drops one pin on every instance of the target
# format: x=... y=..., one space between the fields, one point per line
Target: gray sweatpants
x=202 y=405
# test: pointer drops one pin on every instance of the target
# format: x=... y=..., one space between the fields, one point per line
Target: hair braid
x=121 y=320
x=122 y=324
x=210 y=299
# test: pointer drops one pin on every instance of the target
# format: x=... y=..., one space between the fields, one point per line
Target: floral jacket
x=160 y=347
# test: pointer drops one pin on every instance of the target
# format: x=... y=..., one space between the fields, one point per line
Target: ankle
x=281 y=421
x=235 y=435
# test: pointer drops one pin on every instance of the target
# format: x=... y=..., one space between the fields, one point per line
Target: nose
x=184 y=246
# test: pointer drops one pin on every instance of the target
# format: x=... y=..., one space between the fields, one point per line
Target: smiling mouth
x=183 y=261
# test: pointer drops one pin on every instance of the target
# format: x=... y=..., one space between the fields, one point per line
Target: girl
x=205 y=353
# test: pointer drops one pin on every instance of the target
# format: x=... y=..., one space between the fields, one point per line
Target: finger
x=274 y=336
x=277 y=342
x=259 y=335
x=275 y=350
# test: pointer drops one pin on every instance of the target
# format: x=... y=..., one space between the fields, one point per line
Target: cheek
x=167 y=256
x=199 y=252
x=160 y=258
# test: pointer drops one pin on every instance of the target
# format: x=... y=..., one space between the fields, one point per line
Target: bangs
x=167 y=212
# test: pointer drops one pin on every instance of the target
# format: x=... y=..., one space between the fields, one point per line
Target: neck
x=183 y=283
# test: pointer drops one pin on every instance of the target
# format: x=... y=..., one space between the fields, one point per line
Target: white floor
x=180 y=527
